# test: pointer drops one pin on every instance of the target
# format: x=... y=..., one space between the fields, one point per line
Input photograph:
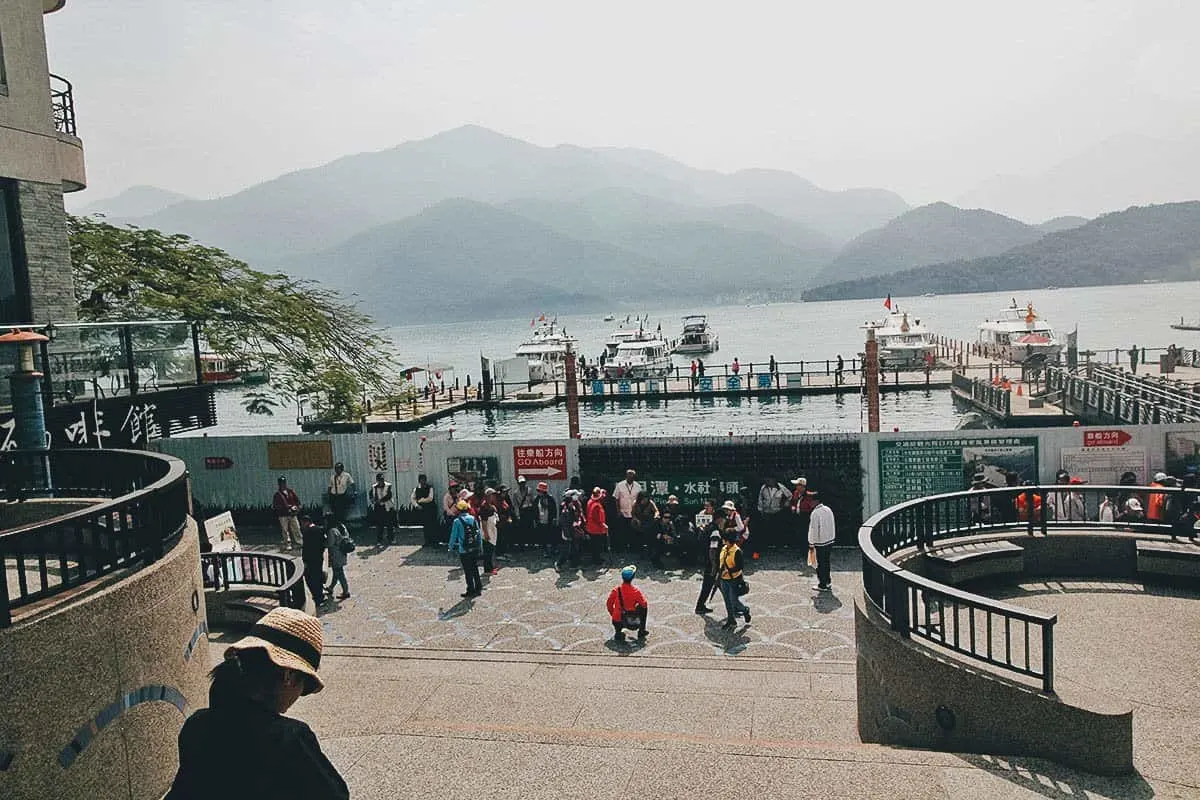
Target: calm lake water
x=1107 y=317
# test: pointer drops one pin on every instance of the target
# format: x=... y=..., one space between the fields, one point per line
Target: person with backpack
x=466 y=540
x=340 y=545
x=627 y=607
x=571 y=532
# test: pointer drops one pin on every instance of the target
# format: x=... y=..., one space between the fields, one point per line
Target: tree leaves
x=311 y=339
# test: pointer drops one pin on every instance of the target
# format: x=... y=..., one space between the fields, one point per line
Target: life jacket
x=1023 y=512
x=729 y=570
x=1156 y=504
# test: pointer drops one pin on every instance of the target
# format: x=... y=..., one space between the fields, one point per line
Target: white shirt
x=379 y=492
x=625 y=493
x=340 y=484
x=820 y=526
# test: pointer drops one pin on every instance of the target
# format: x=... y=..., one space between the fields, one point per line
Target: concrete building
x=41 y=157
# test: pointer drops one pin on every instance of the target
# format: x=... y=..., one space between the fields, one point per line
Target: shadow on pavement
x=1058 y=782
x=825 y=602
x=457 y=610
x=731 y=640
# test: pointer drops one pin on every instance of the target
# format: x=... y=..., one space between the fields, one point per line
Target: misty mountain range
x=476 y=224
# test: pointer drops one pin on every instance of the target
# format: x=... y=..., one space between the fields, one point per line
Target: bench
x=967 y=562
x=1168 y=559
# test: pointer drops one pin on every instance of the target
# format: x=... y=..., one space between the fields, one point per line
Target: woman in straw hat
x=242 y=746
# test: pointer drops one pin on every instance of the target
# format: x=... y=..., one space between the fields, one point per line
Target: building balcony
x=70 y=147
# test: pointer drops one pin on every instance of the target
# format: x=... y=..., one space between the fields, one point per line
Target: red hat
x=1077 y=481
x=543 y=486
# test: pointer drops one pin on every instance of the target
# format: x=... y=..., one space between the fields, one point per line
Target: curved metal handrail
x=146 y=507
x=62 y=104
x=280 y=574
x=916 y=605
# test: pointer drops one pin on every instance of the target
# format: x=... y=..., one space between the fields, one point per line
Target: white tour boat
x=645 y=355
x=546 y=350
x=1019 y=334
x=903 y=343
x=697 y=338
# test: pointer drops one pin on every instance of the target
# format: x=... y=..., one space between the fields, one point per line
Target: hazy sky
x=927 y=98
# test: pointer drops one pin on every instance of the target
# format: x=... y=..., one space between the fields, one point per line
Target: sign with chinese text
x=733 y=383
x=692 y=490
x=218 y=462
x=1115 y=438
x=911 y=468
x=546 y=462
x=377 y=455
x=1104 y=464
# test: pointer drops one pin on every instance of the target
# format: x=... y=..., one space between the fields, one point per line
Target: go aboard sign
x=546 y=462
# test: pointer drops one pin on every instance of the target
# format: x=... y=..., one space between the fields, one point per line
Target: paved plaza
x=521 y=694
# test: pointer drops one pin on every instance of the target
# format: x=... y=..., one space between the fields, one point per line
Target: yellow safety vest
x=728 y=562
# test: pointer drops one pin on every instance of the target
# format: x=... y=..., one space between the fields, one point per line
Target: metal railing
x=280 y=574
x=146 y=507
x=62 y=104
x=1000 y=634
x=1117 y=395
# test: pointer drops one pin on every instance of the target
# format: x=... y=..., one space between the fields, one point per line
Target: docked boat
x=903 y=343
x=547 y=351
x=1020 y=334
x=645 y=355
x=622 y=334
x=216 y=368
x=1190 y=325
x=697 y=338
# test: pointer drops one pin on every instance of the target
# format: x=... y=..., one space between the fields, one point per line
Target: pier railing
x=141 y=504
x=1109 y=393
x=1000 y=634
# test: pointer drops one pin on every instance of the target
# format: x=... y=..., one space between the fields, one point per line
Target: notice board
x=911 y=468
x=316 y=454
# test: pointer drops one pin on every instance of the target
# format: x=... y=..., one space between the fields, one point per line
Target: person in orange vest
x=1023 y=504
x=1156 y=502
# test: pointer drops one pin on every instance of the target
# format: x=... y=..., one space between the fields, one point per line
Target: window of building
x=14 y=280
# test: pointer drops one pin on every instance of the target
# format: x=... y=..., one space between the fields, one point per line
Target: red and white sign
x=1106 y=438
x=218 y=462
x=545 y=462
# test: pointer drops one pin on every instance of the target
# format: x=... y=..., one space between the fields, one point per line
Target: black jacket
x=238 y=749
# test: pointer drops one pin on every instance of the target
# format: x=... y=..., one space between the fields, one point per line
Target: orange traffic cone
x=1019 y=392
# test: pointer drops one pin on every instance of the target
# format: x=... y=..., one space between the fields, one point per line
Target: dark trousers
x=489 y=550
x=824 y=557
x=706 y=589
x=547 y=536
x=568 y=552
x=381 y=518
x=315 y=579
x=621 y=531
x=339 y=504
x=470 y=565
x=773 y=529
x=640 y=625
x=596 y=546
x=429 y=522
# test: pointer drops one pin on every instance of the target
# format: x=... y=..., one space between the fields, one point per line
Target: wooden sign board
x=316 y=454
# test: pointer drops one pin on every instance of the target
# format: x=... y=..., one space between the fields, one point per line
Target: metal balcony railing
x=62 y=103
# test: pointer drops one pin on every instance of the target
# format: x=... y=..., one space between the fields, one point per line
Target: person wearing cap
x=341 y=492
x=525 y=527
x=467 y=547
x=286 y=505
x=711 y=531
x=627 y=607
x=734 y=521
x=772 y=517
x=1156 y=502
x=423 y=500
x=312 y=552
x=571 y=531
x=489 y=528
x=675 y=534
x=596 y=525
x=1066 y=506
x=729 y=572
x=336 y=537
x=242 y=746
x=822 y=532
x=625 y=494
x=981 y=507
x=381 y=505
x=802 y=506
x=450 y=505
x=542 y=514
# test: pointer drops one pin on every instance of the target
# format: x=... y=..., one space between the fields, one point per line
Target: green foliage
x=310 y=339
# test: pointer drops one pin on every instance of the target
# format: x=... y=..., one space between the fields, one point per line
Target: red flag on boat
x=888 y=303
x=532 y=322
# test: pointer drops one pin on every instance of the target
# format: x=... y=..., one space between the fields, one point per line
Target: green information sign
x=474 y=471
x=912 y=468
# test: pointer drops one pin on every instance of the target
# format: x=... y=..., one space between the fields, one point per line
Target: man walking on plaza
x=286 y=506
x=466 y=540
x=625 y=494
x=312 y=553
x=712 y=536
x=773 y=501
x=821 y=534
x=341 y=492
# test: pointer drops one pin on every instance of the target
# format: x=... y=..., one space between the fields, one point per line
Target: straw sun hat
x=292 y=640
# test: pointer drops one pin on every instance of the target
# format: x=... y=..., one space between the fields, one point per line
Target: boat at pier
x=903 y=343
x=1020 y=334
x=644 y=355
x=697 y=337
x=1190 y=325
x=215 y=368
x=546 y=349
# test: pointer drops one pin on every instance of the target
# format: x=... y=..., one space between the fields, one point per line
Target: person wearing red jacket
x=627 y=607
x=596 y=525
